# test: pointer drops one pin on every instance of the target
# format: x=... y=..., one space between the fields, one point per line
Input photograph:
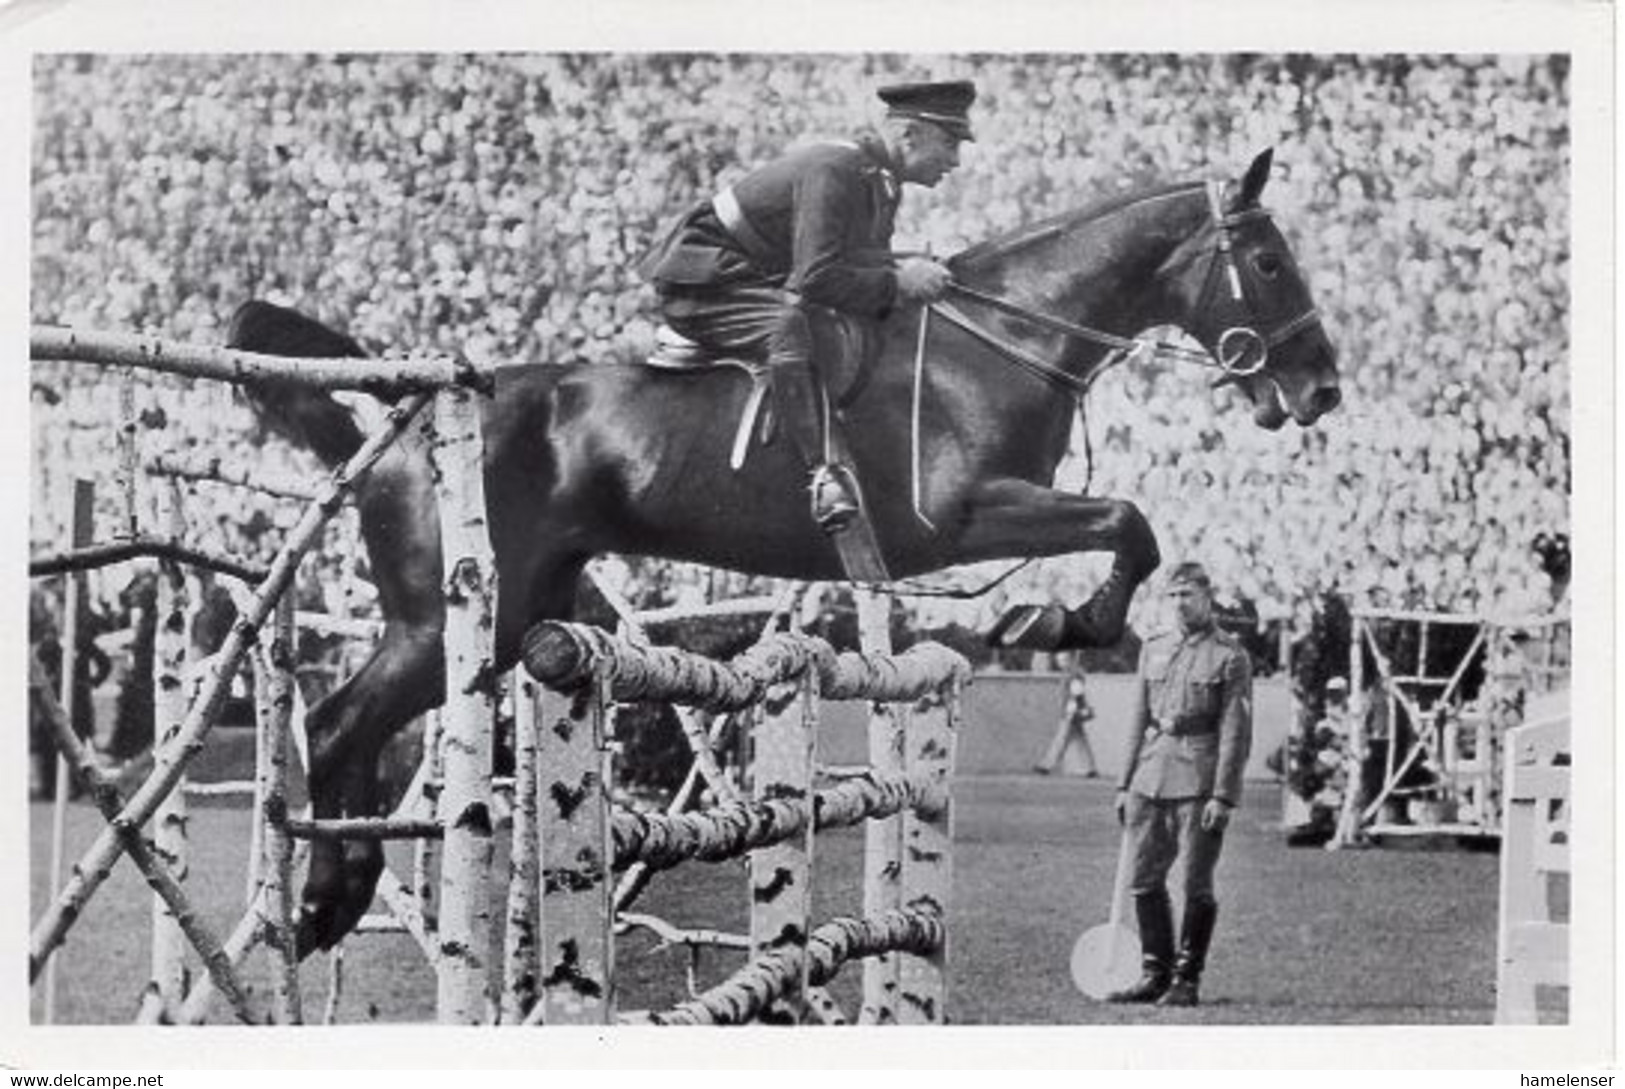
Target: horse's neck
x=1102 y=275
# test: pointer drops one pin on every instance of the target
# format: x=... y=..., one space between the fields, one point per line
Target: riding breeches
x=753 y=321
x=1161 y=830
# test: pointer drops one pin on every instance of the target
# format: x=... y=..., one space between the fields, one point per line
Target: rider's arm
x=832 y=224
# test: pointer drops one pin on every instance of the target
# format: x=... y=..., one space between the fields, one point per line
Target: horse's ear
x=1253 y=184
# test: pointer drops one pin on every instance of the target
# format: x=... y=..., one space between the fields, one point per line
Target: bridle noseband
x=1233 y=363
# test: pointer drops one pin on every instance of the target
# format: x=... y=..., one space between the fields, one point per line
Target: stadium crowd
x=496 y=206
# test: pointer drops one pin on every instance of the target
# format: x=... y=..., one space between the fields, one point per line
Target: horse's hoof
x=1029 y=627
x=1087 y=633
x=322 y=924
x=308 y=935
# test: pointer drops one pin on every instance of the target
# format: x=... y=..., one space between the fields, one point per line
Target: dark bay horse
x=620 y=457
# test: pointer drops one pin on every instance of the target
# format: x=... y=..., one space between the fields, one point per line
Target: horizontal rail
x=565 y=655
x=747 y=993
x=353 y=627
x=232 y=788
x=1498 y=620
x=106 y=555
x=214 y=470
x=891 y=678
x=387 y=378
x=367 y=828
x=761 y=605
x=660 y=841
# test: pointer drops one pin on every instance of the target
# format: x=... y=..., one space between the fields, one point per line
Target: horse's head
x=1246 y=302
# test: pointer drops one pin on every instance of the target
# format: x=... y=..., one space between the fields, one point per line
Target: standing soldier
x=805 y=239
x=1190 y=734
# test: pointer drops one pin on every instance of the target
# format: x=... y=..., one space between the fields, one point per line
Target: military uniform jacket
x=817 y=221
x=1192 y=723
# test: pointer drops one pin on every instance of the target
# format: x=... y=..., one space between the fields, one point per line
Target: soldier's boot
x=804 y=413
x=1156 y=919
x=1195 y=935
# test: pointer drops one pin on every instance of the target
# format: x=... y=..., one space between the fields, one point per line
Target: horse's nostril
x=1327 y=398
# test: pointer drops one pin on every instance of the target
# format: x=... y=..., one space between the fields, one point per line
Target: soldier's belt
x=732 y=217
x=1182 y=729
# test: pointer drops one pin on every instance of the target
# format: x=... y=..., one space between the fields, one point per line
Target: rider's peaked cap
x=946 y=104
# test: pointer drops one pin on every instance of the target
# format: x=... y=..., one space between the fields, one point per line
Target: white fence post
x=783 y=741
x=882 y=839
x=927 y=864
x=470 y=711
x=577 y=916
x=1532 y=950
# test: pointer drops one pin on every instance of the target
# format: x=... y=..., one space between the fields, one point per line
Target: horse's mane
x=1063 y=222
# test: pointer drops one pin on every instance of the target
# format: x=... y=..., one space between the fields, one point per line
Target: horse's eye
x=1268 y=265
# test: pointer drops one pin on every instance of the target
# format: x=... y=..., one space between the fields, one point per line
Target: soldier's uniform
x=1191 y=733
x=799 y=240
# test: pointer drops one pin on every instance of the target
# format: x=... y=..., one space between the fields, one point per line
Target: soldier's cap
x=1190 y=574
x=946 y=104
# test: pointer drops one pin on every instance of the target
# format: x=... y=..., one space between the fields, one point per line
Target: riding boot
x=1195 y=935
x=804 y=414
x=1156 y=918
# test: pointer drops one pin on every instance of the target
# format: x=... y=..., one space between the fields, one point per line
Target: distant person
x=1072 y=730
x=1189 y=736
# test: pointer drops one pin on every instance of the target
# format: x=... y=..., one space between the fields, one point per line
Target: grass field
x=1305 y=936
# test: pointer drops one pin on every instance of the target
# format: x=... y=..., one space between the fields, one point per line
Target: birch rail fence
x=563 y=910
x=453 y=390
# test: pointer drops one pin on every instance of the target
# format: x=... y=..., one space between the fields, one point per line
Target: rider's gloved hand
x=922 y=279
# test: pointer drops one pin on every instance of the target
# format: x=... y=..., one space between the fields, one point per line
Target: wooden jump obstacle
x=454 y=441
x=775 y=826
x=1461 y=745
x=781 y=681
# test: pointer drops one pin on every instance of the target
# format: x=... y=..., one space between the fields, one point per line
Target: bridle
x=1240 y=351
x=1230 y=352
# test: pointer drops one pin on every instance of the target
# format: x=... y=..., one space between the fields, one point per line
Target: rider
x=747 y=270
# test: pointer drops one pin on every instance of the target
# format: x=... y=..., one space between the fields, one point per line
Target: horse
x=617 y=456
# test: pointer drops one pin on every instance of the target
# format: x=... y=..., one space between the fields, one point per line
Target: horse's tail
x=305 y=416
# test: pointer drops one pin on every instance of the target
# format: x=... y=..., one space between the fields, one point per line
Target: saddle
x=846 y=349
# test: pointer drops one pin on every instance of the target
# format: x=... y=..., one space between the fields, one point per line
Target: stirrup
x=834 y=503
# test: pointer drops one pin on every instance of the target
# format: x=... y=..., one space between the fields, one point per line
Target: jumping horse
x=622 y=457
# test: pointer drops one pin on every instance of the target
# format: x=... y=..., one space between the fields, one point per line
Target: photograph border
x=1582 y=28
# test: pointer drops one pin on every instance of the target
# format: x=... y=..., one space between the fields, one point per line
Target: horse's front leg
x=1009 y=518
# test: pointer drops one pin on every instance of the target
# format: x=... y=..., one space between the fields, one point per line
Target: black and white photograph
x=925 y=520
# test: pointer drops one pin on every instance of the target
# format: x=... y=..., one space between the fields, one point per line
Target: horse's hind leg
x=1015 y=518
x=404 y=678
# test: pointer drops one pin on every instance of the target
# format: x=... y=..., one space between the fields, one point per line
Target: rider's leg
x=804 y=412
x=760 y=319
